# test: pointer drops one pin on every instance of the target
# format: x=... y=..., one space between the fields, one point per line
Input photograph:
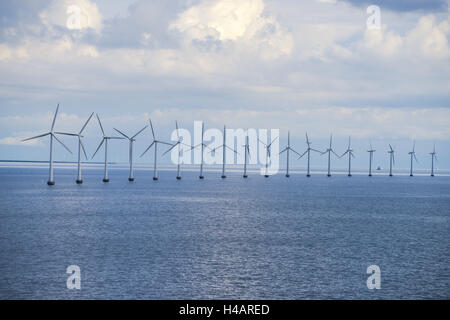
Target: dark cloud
x=405 y=5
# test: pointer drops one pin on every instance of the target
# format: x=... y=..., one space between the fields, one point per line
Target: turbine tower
x=80 y=147
x=155 y=143
x=433 y=157
x=329 y=151
x=52 y=135
x=350 y=155
x=131 y=140
x=224 y=147
x=267 y=154
x=178 y=143
x=391 y=160
x=287 y=149
x=308 y=151
x=246 y=154
x=412 y=154
x=104 y=140
x=371 y=151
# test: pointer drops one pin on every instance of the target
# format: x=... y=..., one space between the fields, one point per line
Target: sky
x=292 y=65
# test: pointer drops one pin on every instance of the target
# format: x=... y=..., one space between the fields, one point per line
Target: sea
x=233 y=238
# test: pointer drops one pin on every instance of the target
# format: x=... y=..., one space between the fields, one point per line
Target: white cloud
x=241 y=21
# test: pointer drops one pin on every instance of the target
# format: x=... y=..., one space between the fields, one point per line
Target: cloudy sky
x=300 y=65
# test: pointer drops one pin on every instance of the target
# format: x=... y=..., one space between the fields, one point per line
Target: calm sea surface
x=258 y=238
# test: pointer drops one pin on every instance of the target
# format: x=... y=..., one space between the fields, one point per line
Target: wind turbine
x=412 y=155
x=391 y=161
x=371 y=151
x=202 y=145
x=433 y=157
x=105 y=141
x=267 y=154
x=155 y=143
x=329 y=151
x=224 y=148
x=287 y=149
x=80 y=147
x=178 y=143
x=308 y=151
x=247 y=154
x=350 y=155
x=131 y=140
x=52 y=135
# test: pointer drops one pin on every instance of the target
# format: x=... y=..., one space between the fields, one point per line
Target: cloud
x=241 y=22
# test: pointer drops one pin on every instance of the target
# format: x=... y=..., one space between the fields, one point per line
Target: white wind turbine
x=329 y=151
x=224 y=148
x=80 y=147
x=371 y=151
x=287 y=149
x=391 y=160
x=154 y=143
x=433 y=158
x=246 y=155
x=412 y=155
x=52 y=135
x=350 y=155
x=131 y=140
x=308 y=151
x=105 y=141
x=203 y=146
x=268 y=147
x=178 y=144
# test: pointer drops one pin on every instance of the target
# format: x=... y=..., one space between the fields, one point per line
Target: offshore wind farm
x=182 y=147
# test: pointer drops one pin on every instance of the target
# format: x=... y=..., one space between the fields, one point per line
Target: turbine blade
x=67 y=134
x=139 y=132
x=39 y=136
x=56 y=138
x=262 y=142
x=294 y=151
x=307 y=139
x=100 y=123
x=193 y=147
x=391 y=147
x=285 y=149
x=98 y=148
x=85 y=124
x=169 y=144
x=415 y=158
x=173 y=146
x=148 y=148
x=232 y=149
x=335 y=153
x=151 y=125
x=122 y=134
x=272 y=142
x=176 y=126
x=82 y=148
x=54 y=118
x=303 y=155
